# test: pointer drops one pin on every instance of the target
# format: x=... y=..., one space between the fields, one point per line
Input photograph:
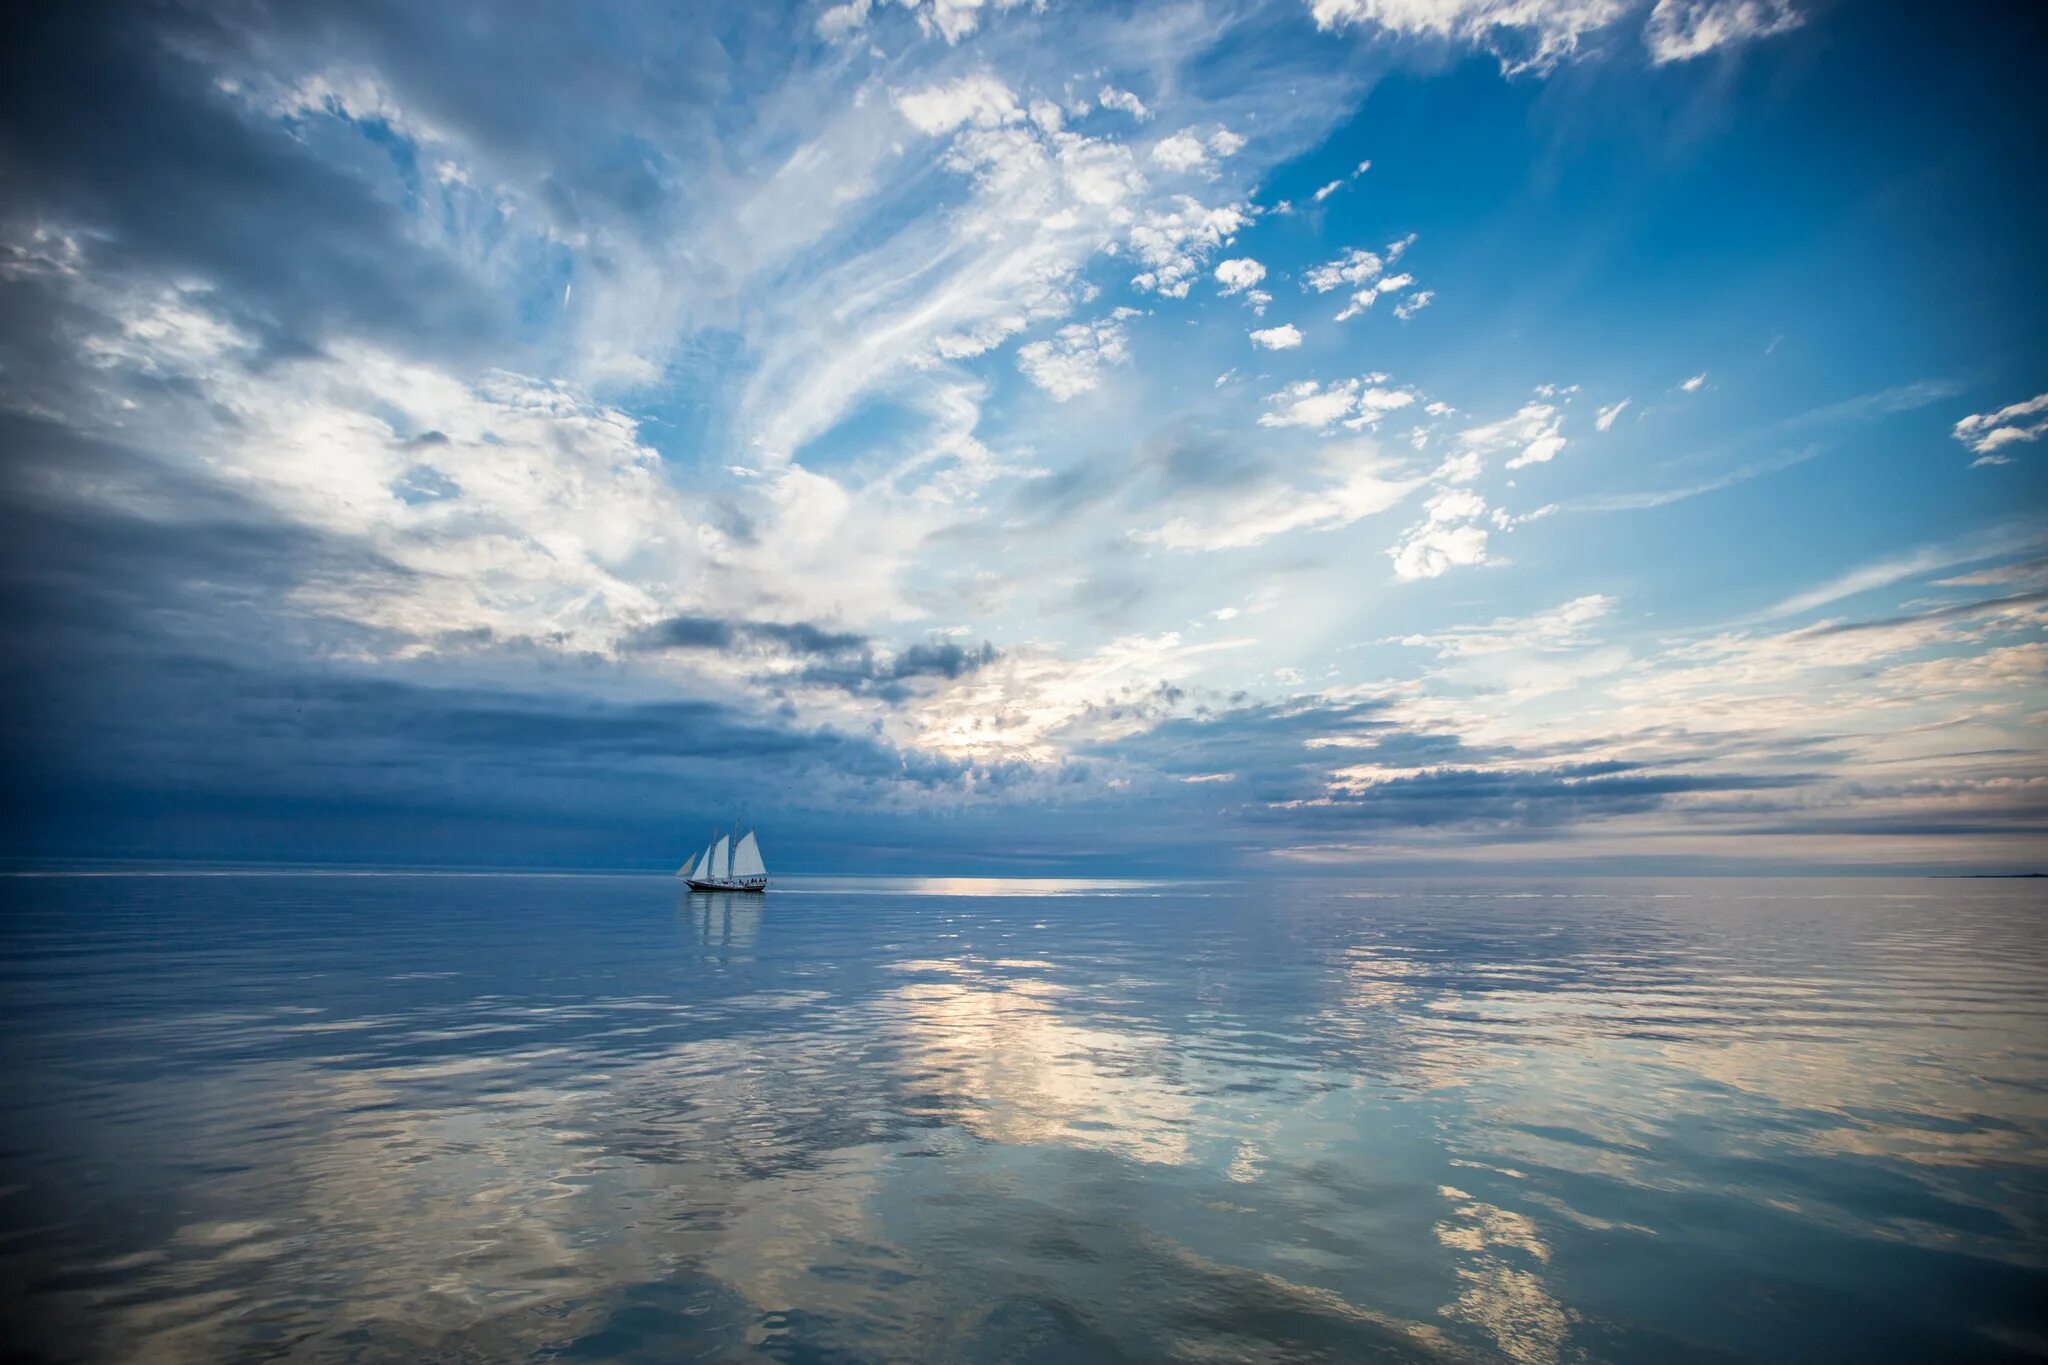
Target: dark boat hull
x=749 y=884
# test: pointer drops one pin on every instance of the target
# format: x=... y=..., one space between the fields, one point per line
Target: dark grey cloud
x=891 y=679
x=946 y=660
x=1280 y=750
x=688 y=632
x=1281 y=759
x=845 y=660
x=113 y=128
x=1531 y=799
x=1955 y=611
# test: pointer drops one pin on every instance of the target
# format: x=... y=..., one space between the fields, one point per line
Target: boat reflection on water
x=727 y=919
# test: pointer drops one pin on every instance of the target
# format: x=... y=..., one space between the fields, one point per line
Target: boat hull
x=752 y=884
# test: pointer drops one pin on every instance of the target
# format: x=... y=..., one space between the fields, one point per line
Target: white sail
x=721 y=862
x=689 y=868
x=746 y=859
x=703 y=867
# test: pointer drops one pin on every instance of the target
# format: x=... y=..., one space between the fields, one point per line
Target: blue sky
x=1393 y=434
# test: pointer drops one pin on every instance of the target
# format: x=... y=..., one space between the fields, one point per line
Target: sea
x=254 y=1116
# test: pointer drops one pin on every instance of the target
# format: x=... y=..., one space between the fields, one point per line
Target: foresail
x=746 y=859
x=721 y=861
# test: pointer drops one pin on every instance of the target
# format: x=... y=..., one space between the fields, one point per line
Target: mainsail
x=746 y=859
x=721 y=862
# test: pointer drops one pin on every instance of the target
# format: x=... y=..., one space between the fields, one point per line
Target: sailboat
x=726 y=865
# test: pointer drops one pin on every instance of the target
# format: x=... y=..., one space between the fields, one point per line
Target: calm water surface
x=580 y=1118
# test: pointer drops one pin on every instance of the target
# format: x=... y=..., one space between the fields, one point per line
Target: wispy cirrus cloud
x=1990 y=433
x=1680 y=30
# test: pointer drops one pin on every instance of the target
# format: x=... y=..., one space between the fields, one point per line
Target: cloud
x=126 y=124
x=1526 y=35
x=1607 y=414
x=1663 y=497
x=890 y=678
x=1113 y=98
x=717 y=633
x=1988 y=433
x=1181 y=153
x=1356 y=402
x=1354 y=267
x=1173 y=242
x=1239 y=274
x=1363 y=273
x=1282 y=338
x=1072 y=362
x=1192 y=489
x=1352 y=486
x=952 y=20
x=497 y=467
x=1897 y=568
x=1693 y=384
x=2030 y=573
x=1565 y=627
x=1680 y=30
x=1449 y=536
x=1044 y=201
x=822 y=656
x=177 y=593
x=1534 y=433
x=1414 y=303
x=1327 y=190
x=980 y=100
x=1318 y=767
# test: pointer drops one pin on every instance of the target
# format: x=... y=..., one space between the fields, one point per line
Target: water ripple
x=410 y=1117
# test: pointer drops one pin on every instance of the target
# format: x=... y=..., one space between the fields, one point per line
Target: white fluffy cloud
x=1354 y=267
x=1113 y=98
x=1988 y=433
x=1239 y=274
x=1181 y=153
x=1363 y=272
x=1357 y=403
x=1533 y=433
x=1449 y=536
x=1694 y=384
x=979 y=99
x=1174 y=241
x=1606 y=416
x=1282 y=338
x=1072 y=362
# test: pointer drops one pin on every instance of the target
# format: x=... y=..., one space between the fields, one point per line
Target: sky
x=1487 y=436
